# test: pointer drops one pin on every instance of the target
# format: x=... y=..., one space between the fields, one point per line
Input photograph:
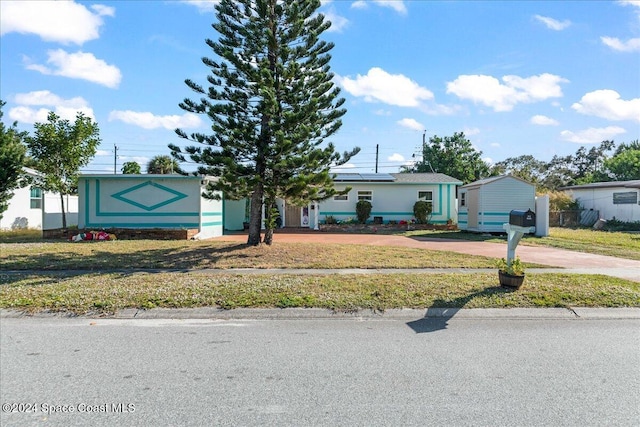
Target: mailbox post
x=520 y=223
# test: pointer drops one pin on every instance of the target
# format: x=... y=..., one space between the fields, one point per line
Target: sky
x=539 y=78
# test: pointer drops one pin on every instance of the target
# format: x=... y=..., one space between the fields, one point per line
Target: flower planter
x=510 y=280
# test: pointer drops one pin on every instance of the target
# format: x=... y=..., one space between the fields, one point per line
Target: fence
x=577 y=218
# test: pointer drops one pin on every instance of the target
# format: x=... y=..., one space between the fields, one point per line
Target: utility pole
x=377 y=146
x=115 y=159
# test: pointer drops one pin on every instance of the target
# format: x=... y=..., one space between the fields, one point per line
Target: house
x=171 y=202
x=484 y=205
x=30 y=207
x=392 y=197
x=616 y=199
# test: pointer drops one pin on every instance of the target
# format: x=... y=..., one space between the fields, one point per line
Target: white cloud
x=491 y=92
x=148 y=120
x=608 y=105
x=631 y=45
x=345 y=166
x=397 y=5
x=79 y=65
x=54 y=21
x=471 y=131
x=553 y=24
x=203 y=6
x=393 y=89
x=592 y=135
x=395 y=157
x=338 y=23
x=495 y=144
x=411 y=124
x=67 y=109
x=543 y=120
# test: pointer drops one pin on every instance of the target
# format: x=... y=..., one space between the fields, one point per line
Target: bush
x=561 y=201
x=330 y=219
x=422 y=211
x=363 y=211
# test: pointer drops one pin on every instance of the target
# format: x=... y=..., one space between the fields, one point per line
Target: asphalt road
x=320 y=372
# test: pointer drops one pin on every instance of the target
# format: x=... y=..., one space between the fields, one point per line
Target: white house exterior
x=484 y=205
x=392 y=197
x=148 y=201
x=30 y=207
x=617 y=199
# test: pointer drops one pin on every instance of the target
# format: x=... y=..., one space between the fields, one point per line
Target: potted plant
x=511 y=274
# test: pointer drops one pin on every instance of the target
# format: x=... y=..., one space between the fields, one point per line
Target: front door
x=472 y=209
x=292 y=216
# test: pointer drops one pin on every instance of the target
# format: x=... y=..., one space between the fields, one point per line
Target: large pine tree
x=272 y=104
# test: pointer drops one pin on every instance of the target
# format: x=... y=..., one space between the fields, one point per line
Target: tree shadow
x=441 y=311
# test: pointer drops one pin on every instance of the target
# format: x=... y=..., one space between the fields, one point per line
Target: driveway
x=577 y=261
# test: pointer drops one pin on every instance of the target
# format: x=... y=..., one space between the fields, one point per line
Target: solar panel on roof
x=376 y=177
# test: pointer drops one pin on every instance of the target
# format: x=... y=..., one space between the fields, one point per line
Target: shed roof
x=491 y=179
x=611 y=184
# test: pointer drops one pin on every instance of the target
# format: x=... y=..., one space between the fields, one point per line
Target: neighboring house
x=617 y=199
x=30 y=207
x=484 y=205
x=148 y=202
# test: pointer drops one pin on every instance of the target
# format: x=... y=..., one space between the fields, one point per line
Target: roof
x=611 y=184
x=491 y=179
x=398 y=178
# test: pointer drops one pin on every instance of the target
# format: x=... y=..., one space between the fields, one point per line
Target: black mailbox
x=522 y=218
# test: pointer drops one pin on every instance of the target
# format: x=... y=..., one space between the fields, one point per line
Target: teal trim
x=372 y=213
x=463 y=213
x=494 y=213
x=145 y=225
x=178 y=196
x=491 y=222
x=211 y=213
x=148 y=215
x=86 y=201
x=462 y=222
x=211 y=224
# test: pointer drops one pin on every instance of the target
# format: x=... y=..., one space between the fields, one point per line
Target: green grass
x=612 y=243
x=172 y=254
x=92 y=293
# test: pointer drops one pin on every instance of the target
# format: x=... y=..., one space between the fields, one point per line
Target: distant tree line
x=455 y=156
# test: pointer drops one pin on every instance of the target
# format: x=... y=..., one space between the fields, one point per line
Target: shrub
x=422 y=211
x=330 y=219
x=363 y=211
x=561 y=201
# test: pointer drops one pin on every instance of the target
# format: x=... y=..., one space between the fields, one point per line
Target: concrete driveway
x=576 y=261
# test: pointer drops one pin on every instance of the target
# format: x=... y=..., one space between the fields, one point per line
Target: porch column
x=316 y=208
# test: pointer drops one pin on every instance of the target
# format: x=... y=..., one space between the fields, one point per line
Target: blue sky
x=518 y=77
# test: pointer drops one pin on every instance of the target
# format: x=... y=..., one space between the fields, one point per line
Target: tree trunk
x=64 y=216
x=255 y=217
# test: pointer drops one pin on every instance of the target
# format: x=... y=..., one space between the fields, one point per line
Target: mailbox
x=522 y=218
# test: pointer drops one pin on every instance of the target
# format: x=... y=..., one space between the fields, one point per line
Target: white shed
x=484 y=205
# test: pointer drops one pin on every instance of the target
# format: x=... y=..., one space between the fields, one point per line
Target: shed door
x=292 y=215
x=472 y=208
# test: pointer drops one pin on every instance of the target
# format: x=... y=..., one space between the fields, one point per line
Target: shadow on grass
x=148 y=259
x=441 y=311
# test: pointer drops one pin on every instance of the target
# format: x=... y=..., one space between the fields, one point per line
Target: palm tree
x=163 y=165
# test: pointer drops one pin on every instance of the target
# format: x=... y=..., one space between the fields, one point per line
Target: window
x=36 y=198
x=628 y=198
x=427 y=196
x=463 y=199
x=365 y=195
x=342 y=197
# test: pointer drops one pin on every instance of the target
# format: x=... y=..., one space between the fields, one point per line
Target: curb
x=211 y=313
